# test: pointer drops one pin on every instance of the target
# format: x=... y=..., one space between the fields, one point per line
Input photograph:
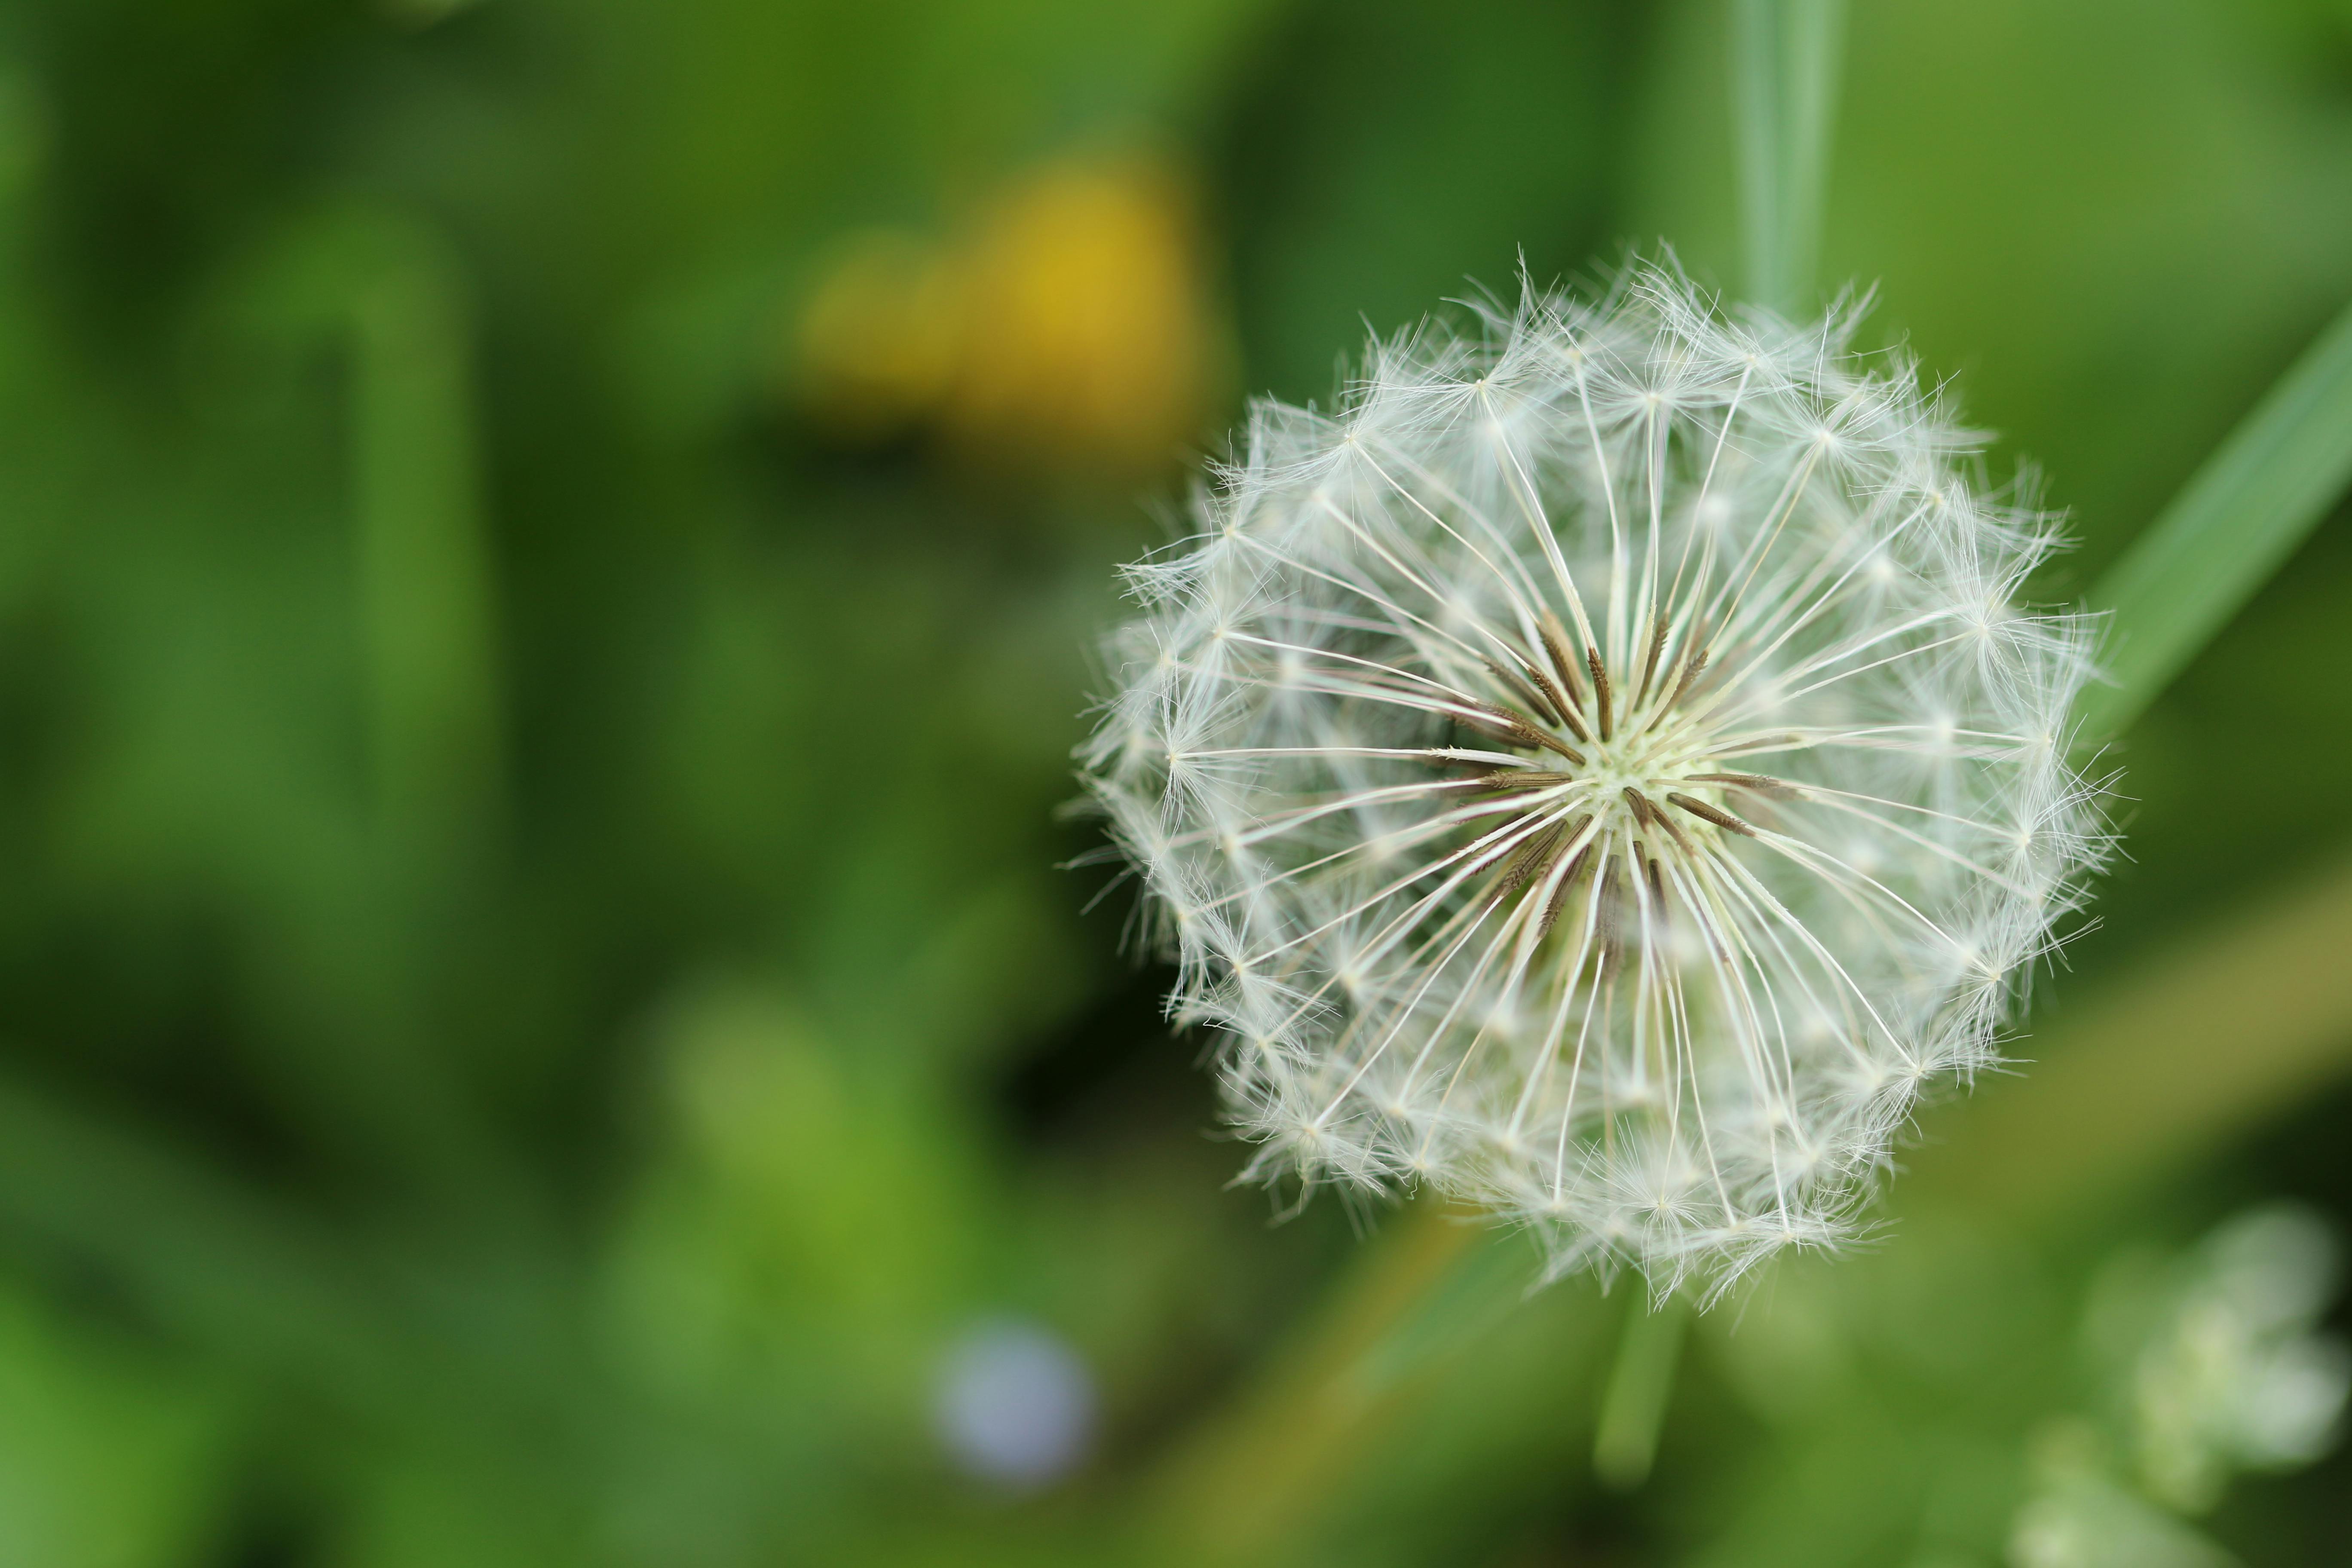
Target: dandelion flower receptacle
x=1601 y=771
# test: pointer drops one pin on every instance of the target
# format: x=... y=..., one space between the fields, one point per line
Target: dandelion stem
x=1633 y=1409
x=1786 y=56
x=2232 y=526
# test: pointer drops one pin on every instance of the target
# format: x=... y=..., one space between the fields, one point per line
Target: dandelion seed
x=1630 y=721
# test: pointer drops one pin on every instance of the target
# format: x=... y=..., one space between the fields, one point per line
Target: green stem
x=1633 y=1408
x=382 y=290
x=424 y=573
x=1786 y=56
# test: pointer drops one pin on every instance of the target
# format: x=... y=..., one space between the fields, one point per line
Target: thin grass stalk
x=424 y=571
x=384 y=291
x=2233 y=525
x=1786 y=61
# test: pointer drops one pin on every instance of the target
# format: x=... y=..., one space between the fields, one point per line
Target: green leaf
x=1785 y=59
x=2232 y=526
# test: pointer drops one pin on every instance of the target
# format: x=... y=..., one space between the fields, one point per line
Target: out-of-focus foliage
x=547 y=553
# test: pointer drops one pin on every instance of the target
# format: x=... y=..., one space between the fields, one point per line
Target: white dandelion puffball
x=1602 y=773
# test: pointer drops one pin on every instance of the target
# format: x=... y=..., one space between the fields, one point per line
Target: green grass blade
x=2233 y=525
x=1785 y=60
x=384 y=287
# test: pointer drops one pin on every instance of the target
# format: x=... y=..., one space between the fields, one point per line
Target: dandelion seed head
x=1610 y=777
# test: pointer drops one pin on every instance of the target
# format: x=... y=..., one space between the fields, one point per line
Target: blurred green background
x=548 y=553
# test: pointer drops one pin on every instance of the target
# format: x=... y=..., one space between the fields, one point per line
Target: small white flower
x=2237 y=1379
x=2220 y=1371
x=1602 y=771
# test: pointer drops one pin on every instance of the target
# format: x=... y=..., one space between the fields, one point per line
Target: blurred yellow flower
x=1069 y=322
x=878 y=335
